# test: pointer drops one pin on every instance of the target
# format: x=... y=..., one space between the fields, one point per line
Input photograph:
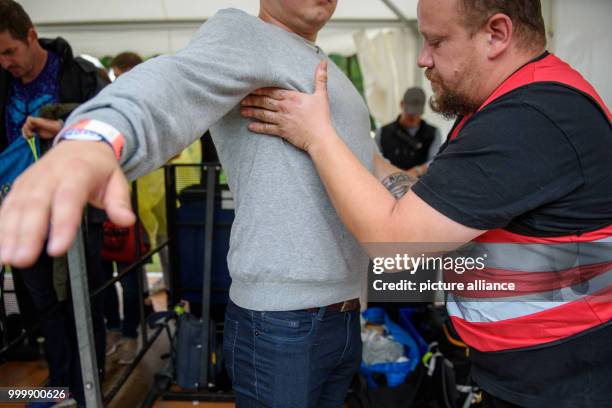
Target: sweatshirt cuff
x=94 y=130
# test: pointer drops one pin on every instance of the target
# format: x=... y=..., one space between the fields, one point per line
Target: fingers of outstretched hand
x=24 y=222
x=117 y=200
x=68 y=200
x=108 y=189
x=53 y=191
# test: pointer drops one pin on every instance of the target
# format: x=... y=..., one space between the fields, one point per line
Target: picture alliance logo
x=411 y=264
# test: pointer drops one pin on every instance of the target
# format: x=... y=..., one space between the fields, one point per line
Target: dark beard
x=451 y=105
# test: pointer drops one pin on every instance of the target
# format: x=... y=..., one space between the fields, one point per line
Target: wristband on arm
x=95 y=131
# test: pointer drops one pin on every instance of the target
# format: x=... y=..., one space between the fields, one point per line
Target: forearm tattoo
x=398 y=184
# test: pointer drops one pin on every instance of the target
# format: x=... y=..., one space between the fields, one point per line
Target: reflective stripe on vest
x=564 y=284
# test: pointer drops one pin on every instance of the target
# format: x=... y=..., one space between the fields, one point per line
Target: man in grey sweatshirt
x=292 y=336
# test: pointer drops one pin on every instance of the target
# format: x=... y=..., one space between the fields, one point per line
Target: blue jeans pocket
x=288 y=326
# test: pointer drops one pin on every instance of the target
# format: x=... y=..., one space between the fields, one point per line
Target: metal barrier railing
x=81 y=302
x=83 y=322
x=82 y=296
x=211 y=193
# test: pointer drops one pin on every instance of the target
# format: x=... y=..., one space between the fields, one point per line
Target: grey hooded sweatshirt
x=288 y=249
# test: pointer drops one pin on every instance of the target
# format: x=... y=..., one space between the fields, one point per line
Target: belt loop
x=321 y=313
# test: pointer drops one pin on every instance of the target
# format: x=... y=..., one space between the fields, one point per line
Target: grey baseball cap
x=414 y=101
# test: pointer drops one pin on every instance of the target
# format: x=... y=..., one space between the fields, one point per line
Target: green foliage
x=350 y=67
x=106 y=61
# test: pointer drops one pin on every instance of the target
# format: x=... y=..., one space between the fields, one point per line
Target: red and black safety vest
x=564 y=283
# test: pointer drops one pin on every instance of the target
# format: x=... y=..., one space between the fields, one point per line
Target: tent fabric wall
x=581 y=35
x=386 y=58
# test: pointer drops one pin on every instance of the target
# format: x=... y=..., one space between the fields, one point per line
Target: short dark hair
x=15 y=20
x=103 y=74
x=126 y=61
x=526 y=16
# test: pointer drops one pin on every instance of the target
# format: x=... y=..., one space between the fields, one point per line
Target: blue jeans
x=297 y=359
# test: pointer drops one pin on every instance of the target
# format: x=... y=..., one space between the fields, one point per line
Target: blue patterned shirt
x=27 y=99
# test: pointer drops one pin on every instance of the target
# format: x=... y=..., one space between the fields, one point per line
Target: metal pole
x=140 y=269
x=401 y=17
x=77 y=268
x=398 y=13
x=128 y=269
x=173 y=247
x=211 y=173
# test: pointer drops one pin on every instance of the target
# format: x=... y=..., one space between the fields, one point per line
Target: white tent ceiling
x=578 y=31
x=107 y=27
x=69 y=11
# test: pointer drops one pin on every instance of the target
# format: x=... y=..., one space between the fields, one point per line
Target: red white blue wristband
x=94 y=130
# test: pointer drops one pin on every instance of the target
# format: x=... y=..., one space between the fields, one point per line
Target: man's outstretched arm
x=158 y=108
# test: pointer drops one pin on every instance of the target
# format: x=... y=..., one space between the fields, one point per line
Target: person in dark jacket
x=77 y=79
x=36 y=73
x=409 y=142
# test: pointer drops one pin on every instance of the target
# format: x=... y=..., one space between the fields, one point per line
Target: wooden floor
x=132 y=394
x=173 y=404
x=22 y=374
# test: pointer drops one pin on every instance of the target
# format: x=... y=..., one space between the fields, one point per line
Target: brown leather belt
x=345 y=306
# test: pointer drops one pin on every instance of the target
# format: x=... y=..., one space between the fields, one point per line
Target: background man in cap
x=409 y=142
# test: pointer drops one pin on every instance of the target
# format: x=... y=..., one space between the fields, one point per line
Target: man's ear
x=32 y=36
x=500 y=34
x=402 y=106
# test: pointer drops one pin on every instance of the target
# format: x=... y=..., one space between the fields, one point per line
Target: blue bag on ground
x=405 y=321
x=394 y=372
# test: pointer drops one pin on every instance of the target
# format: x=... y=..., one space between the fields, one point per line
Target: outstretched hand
x=302 y=119
x=54 y=192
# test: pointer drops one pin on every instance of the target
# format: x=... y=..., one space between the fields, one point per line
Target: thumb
x=321 y=77
x=117 y=200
